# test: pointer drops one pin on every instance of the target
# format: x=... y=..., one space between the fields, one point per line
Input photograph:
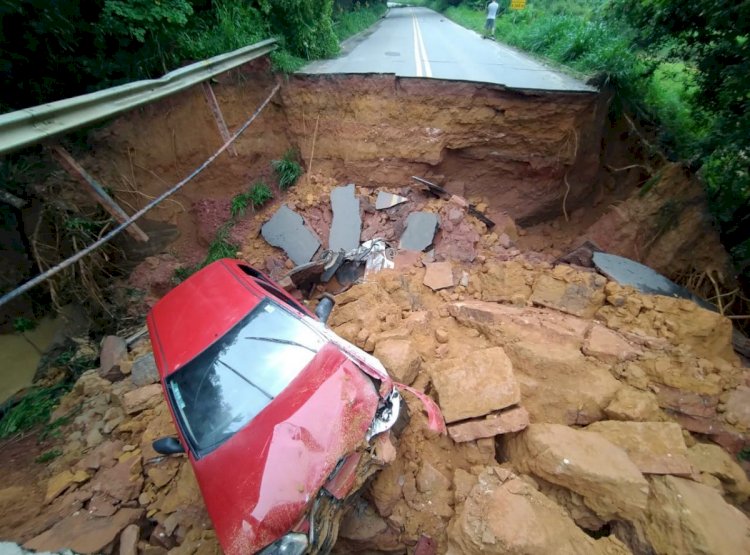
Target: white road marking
x=426 y=61
x=417 y=55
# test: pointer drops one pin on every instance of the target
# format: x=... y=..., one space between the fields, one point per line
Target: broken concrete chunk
x=511 y=420
x=420 y=231
x=439 y=275
x=654 y=447
x=584 y=462
x=347 y=223
x=388 y=200
x=286 y=229
x=477 y=385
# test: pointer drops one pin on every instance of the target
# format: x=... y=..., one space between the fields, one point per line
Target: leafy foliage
x=682 y=66
x=288 y=169
x=52 y=50
x=32 y=410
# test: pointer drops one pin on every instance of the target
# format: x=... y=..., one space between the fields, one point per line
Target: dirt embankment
x=555 y=163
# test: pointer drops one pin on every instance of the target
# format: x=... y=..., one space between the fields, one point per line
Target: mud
x=577 y=349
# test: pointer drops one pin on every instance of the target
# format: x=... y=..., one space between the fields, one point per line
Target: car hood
x=259 y=483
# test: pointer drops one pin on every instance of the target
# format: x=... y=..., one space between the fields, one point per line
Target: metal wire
x=120 y=228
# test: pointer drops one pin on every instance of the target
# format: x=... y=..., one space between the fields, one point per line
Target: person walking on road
x=489 y=25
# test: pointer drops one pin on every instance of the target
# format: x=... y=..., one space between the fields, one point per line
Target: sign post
x=517 y=4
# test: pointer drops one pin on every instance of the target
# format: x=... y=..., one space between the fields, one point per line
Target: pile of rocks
x=582 y=417
x=576 y=409
x=109 y=491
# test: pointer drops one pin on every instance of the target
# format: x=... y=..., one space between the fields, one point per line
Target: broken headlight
x=291 y=544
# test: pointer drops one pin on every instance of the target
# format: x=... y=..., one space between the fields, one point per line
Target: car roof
x=201 y=310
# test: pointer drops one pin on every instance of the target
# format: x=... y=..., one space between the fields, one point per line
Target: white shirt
x=492 y=10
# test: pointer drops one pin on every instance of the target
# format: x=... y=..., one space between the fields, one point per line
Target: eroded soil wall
x=512 y=148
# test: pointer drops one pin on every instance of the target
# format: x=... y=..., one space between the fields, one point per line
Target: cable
x=116 y=231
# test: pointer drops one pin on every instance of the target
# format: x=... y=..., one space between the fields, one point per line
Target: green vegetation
x=288 y=169
x=53 y=50
x=680 y=67
x=255 y=197
x=32 y=410
x=350 y=22
x=48 y=456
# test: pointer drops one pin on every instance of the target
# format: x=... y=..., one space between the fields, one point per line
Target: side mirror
x=168 y=446
x=324 y=308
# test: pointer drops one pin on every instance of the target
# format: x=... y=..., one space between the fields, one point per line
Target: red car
x=279 y=417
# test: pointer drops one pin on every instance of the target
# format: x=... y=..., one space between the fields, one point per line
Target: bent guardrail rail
x=32 y=125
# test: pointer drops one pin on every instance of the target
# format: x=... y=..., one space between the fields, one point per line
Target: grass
x=34 y=409
x=48 y=456
x=255 y=197
x=349 y=23
x=288 y=170
x=578 y=35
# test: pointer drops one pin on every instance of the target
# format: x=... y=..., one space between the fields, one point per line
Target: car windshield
x=225 y=387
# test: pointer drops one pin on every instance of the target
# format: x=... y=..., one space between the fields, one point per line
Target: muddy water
x=19 y=359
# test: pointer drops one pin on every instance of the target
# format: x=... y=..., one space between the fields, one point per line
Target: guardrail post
x=96 y=191
x=208 y=91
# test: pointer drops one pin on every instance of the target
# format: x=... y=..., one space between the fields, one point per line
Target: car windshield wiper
x=282 y=341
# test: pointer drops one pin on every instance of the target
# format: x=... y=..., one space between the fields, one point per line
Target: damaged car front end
x=282 y=420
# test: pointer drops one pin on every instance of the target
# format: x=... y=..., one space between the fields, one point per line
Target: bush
x=288 y=169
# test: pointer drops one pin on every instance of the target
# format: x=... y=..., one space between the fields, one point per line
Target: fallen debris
x=420 y=231
x=347 y=223
x=439 y=275
x=388 y=200
x=286 y=229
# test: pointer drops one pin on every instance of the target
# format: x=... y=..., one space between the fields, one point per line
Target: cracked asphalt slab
x=418 y=42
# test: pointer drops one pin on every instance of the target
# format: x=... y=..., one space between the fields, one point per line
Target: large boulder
x=689 y=518
x=654 y=447
x=584 y=462
x=559 y=384
x=477 y=385
x=504 y=515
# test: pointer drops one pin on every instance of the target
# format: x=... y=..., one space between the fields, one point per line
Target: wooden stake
x=208 y=91
x=96 y=191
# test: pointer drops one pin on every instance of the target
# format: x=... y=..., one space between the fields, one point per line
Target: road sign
x=517 y=4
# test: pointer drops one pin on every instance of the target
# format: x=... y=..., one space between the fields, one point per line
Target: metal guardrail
x=32 y=125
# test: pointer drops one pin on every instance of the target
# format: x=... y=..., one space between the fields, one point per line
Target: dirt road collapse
x=582 y=415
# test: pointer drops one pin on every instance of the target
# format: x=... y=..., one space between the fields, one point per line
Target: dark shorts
x=489 y=24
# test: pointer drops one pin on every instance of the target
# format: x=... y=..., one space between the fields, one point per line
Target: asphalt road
x=417 y=42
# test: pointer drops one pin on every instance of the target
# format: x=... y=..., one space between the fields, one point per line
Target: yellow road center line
x=425 y=60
